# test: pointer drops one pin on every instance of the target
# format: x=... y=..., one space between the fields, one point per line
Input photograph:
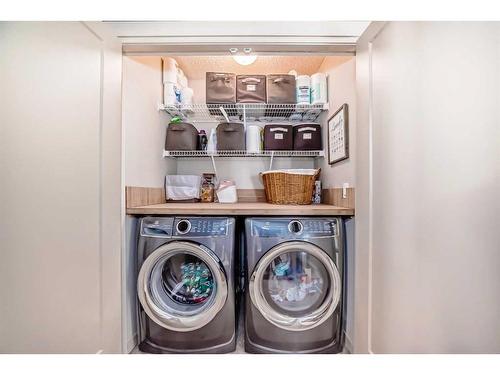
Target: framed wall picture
x=338 y=135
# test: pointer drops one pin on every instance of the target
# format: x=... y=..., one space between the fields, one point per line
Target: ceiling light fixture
x=245 y=59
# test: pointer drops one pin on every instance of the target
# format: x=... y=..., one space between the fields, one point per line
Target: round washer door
x=182 y=286
x=295 y=286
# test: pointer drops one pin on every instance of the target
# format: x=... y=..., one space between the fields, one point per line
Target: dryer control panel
x=200 y=227
x=291 y=228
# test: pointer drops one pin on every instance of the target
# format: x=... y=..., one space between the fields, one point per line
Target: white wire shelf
x=251 y=112
x=241 y=153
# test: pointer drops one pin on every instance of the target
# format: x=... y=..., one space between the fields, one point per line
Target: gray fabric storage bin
x=281 y=89
x=221 y=92
x=230 y=136
x=251 y=89
x=181 y=136
x=221 y=88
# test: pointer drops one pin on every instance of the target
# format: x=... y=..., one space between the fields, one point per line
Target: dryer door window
x=296 y=286
x=182 y=286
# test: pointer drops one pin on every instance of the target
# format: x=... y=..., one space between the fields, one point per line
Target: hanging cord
x=215 y=169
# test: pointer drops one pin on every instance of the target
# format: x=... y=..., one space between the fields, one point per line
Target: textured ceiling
x=195 y=67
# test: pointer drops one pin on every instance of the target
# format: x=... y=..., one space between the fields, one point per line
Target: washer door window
x=296 y=286
x=182 y=286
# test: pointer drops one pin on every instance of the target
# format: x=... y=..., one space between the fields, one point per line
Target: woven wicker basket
x=289 y=186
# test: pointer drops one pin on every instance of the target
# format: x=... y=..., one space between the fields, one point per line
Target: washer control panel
x=319 y=227
x=300 y=227
x=200 y=227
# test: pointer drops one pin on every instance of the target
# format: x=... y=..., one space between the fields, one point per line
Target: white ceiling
x=195 y=67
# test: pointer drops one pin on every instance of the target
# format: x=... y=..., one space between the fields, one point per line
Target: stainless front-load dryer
x=294 y=285
x=185 y=285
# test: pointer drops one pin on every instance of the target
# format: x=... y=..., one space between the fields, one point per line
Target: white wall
x=144 y=126
x=435 y=138
x=341 y=89
x=60 y=222
x=244 y=171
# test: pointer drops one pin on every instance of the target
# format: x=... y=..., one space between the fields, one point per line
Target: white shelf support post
x=244 y=117
x=215 y=168
x=271 y=162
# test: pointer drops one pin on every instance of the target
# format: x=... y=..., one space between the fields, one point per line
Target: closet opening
x=185 y=87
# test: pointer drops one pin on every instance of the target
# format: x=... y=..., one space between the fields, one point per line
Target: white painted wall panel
x=244 y=171
x=50 y=167
x=436 y=177
x=144 y=126
x=341 y=89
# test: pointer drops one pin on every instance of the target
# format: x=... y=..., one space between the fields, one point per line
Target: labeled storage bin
x=230 y=136
x=290 y=186
x=307 y=137
x=181 y=136
x=182 y=188
x=281 y=89
x=221 y=89
x=278 y=137
x=251 y=89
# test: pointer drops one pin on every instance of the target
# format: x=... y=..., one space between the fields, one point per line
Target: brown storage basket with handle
x=181 y=136
x=307 y=137
x=221 y=88
x=281 y=89
x=221 y=92
x=289 y=186
x=230 y=136
x=251 y=89
x=278 y=137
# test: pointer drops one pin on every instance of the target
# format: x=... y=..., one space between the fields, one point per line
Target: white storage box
x=182 y=187
x=227 y=192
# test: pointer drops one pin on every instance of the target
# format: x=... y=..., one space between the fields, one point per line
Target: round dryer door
x=182 y=286
x=296 y=286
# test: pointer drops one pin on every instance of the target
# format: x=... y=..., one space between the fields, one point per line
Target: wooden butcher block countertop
x=243 y=209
